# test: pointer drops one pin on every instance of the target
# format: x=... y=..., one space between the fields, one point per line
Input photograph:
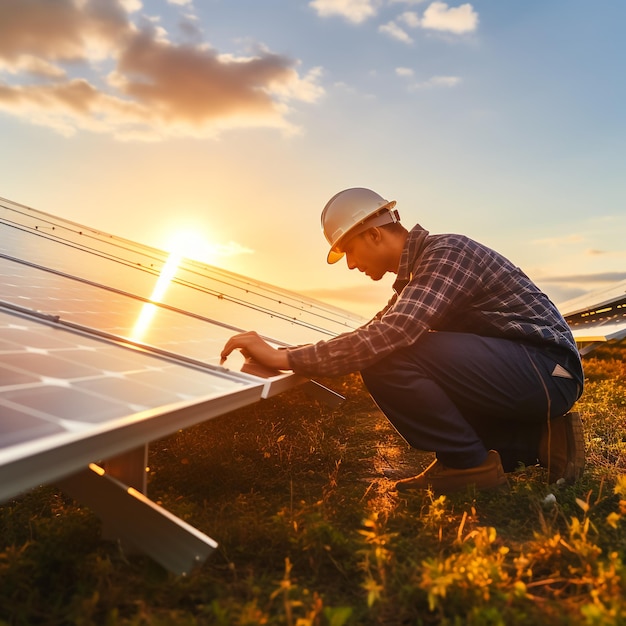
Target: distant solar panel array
x=106 y=344
x=597 y=317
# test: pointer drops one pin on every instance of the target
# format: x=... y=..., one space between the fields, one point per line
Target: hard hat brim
x=334 y=256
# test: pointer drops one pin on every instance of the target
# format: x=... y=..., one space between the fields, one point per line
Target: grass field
x=309 y=534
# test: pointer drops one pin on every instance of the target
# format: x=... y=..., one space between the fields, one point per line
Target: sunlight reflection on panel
x=149 y=309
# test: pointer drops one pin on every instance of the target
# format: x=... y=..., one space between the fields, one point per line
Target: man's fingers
x=253 y=346
x=228 y=347
x=226 y=350
x=240 y=342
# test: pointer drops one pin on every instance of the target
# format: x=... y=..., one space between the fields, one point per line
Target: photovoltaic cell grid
x=91 y=367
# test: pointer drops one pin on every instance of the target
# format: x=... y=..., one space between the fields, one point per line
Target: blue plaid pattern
x=447 y=283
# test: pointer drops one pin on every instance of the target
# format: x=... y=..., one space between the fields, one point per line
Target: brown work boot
x=442 y=479
x=562 y=448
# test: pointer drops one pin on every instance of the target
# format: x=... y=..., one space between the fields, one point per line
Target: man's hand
x=252 y=346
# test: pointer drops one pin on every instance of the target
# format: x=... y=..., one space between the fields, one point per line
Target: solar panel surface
x=93 y=363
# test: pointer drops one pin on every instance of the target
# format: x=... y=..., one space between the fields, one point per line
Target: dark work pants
x=460 y=395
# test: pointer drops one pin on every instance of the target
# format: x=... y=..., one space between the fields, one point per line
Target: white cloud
x=437 y=16
x=131 y=5
x=355 y=11
x=305 y=88
x=458 y=20
x=432 y=83
x=229 y=249
x=444 y=81
x=410 y=18
x=396 y=32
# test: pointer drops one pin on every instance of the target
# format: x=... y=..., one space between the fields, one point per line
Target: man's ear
x=374 y=234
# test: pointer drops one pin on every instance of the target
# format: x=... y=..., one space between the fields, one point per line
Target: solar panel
x=597 y=299
x=597 y=317
x=106 y=344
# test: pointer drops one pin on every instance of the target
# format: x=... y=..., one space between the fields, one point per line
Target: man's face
x=363 y=252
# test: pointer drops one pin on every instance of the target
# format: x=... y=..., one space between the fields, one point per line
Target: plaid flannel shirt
x=446 y=283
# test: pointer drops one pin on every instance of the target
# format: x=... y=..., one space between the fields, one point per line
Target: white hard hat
x=346 y=213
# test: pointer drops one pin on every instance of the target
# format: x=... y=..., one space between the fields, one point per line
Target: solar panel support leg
x=130 y=468
x=589 y=347
x=170 y=541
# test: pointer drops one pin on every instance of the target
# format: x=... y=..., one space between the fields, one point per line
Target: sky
x=235 y=121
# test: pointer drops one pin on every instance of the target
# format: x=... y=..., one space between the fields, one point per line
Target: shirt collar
x=411 y=251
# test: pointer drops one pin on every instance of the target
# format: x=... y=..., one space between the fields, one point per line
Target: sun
x=191 y=244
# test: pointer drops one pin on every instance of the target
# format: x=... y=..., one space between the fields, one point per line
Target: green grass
x=309 y=534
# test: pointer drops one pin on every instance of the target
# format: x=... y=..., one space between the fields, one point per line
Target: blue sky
x=238 y=120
